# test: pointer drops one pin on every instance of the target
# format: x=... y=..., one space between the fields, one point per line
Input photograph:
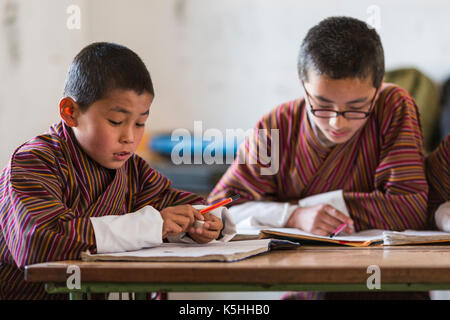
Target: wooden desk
x=318 y=268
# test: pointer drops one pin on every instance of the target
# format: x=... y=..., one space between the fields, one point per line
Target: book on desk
x=268 y=239
x=190 y=252
x=364 y=238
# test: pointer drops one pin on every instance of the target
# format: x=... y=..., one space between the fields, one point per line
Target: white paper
x=185 y=251
x=414 y=236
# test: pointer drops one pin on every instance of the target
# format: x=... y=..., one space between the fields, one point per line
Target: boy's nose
x=127 y=137
x=338 y=122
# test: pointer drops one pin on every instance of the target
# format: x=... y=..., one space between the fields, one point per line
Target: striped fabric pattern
x=48 y=192
x=437 y=169
x=380 y=169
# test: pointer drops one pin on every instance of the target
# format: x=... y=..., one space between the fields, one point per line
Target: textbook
x=394 y=238
x=360 y=239
x=183 y=252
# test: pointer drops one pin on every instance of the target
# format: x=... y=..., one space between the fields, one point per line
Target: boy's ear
x=69 y=111
x=302 y=83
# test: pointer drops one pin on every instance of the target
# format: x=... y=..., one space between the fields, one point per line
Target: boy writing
x=81 y=187
x=351 y=139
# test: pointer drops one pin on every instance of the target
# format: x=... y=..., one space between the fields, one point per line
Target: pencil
x=220 y=204
x=338 y=230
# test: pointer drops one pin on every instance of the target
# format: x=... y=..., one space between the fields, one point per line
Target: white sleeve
x=259 y=214
x=228 y=231
x=442 y=217
x=256 y=214
x=128 y=232
x=332 y=198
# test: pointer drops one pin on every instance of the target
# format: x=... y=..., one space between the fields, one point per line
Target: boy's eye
x=115 y=122
x=140 y=124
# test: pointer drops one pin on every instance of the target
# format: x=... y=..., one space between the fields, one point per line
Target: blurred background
x=225 y=63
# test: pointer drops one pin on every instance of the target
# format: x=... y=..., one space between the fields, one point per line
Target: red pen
x=338 y=230
x=220 y=204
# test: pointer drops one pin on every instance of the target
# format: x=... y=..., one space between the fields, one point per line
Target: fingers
x=183 y=221
x=328 y=219
x=336 y=218
x=210 y=231
x=320 y=232
x=213 y=222
x=170 y=228
x=198 y=215
x=205 y=236
x=182 y=216
x=338 y=215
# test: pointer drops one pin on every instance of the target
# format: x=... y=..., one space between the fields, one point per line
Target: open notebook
x=214 y=251
x=361 y=239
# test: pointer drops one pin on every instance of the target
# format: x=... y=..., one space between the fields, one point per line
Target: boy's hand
x=179 y=219
x=210 y=231
x=322 y=220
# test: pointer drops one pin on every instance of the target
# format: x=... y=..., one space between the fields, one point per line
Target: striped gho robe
x=48 y=192
x=437 y=169
x=380 y=169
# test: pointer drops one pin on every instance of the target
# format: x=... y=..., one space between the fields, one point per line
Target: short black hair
x=101 y=67
x=342 y=47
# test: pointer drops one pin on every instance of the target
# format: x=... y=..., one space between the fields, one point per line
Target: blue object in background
x=163 y=145
x=198 y=178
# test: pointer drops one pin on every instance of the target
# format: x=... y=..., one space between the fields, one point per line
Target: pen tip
x=235 y=197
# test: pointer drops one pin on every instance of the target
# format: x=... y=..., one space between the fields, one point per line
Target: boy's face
x=350 y=94
x=110 y=130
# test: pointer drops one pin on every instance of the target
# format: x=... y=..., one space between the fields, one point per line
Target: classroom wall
x=223 y=62
x=229 y=62
x=36 y=48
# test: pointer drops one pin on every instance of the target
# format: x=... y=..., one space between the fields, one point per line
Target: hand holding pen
x=210 y=228
x=322 y=219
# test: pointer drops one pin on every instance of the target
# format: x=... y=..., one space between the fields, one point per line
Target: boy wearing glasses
x=350 y=151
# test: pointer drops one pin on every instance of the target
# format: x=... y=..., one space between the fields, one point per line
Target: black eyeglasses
x=351 y=115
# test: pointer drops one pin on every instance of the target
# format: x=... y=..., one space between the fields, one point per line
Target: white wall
x=223 y=62
x=229 y=62
x=36 y=49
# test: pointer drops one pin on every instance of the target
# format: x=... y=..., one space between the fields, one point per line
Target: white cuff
x=257 y=214
x=332 y=198
x=228 y=231
x=442 y=217
x=128 y=232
